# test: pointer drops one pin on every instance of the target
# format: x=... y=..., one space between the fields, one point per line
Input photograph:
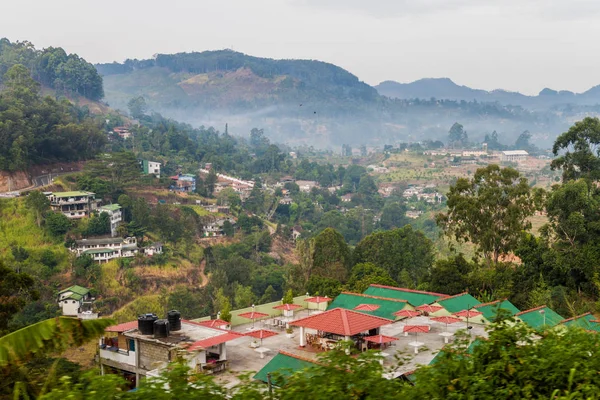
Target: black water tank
x=174 y=318
x=146 y=323
x=161 y=328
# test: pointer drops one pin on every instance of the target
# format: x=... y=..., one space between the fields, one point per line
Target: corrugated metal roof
x=459 y=302
x=414 y=297
x=490 y=310
x=535 y=319
x=283 y=365
x=386 y=309
x=585 y=321
x=342 y=322
x=72 y=194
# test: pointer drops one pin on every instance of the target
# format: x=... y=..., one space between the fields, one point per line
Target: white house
x=73 y=300
x=115 y=215
x=151 y=168
x=73 y=205
x=306 y=186
x=105 y=249
x=514 y=155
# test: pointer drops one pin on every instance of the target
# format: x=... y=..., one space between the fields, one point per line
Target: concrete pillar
x=302 y=337
x=101 y=369
x=137 y=379
x=222 y=352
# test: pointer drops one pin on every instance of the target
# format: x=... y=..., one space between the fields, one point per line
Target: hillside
x=445 y=88
x=298 y=101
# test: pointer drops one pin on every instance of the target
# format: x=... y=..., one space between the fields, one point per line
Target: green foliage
x=489 y=210
x=364 y=274
x=323 y=286
x=397 y=250
x=39 y=203
x=457 y=136
x=118 y=169
x=581 y=158
x=451 y=276
x=243 y=296
x=190 y=302
x=57 y=224
x=393 y=216
x=331 y=256
x=49 y=336
x=98 y=225
x=137 y=107
x=289 y=297
x=40 y=130
x=16 y=289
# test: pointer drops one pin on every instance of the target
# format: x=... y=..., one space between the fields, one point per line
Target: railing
x=121 y=356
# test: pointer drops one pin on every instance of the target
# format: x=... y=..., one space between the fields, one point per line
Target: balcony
x=117 y=355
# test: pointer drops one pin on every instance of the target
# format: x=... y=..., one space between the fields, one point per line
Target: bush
x=57 y=224
x=48 y=258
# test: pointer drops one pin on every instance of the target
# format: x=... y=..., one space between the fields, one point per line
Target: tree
x=323 y=286
x=289 y=297
x=228 y=228
x=397 y=250
x=491 y=210
x=365 y=274
x=120 y=169
x=393 y=216
x=522 y=142
x=229 y=197
x=451 y=275
x=457 y=136
x=269 y=295
x=331 y=257
x=16 y=289
x=210 y=182
x=98 y=225
x=243 y=296
x=137 y=107
x=57 y=223
x=39 y=204
x=581 y=147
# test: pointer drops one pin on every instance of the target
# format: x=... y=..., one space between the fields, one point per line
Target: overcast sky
x=520 y=45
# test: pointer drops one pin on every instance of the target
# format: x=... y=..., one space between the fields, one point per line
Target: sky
x=517 y=45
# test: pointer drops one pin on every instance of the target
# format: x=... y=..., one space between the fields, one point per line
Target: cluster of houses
x=240 y=186
x=420 y=193
x=80 y=204
x=470 y=156
x=374 y=319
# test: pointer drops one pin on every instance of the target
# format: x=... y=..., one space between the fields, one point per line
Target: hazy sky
x=522 y=45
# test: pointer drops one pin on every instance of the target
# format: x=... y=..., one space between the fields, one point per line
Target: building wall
x=151 y=354
x=70 y=307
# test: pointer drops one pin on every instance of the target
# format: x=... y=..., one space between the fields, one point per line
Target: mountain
x=307 y=101
x=445 y=88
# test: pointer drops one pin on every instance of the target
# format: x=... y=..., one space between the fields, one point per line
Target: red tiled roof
x=340 y=321
x=215 y=340
x=468 y=313
x=366 y=307
x=318 y=299
x=380 y=339
x=407 y=313
x=261 y=333
x=253 y=315
x=126 y=326
x=429 y=308
x=446 y=320
x=407 y=290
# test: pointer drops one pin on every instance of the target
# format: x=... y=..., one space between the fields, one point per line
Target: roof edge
x=406 y=290
x=530 y=310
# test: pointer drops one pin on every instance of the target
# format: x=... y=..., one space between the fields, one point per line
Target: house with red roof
x=338 y=324
x=134 y=352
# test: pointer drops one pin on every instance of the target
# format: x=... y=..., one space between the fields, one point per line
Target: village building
x=286 y=200
x=414 y=297
x=372 y=305
x=216 y=228
x=414 y=214
x=122 y=131
x=115 y=216
x=306 y=186
x=76 y=204
x=143 y=348
x=184 y=183
x=151 y=168
x=296 y=232
x=76 y=301
x=103 y=250
x=347 y=198
x=540 y=317
x=514 y=155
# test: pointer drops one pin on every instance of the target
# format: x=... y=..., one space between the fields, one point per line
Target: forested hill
x=52 y=67
x=445 y=88
x=299 y=101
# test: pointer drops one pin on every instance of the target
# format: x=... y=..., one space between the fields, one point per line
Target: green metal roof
x=441 y=353
x=535 y=319
x=459 y=302
x=583 y=321
x=76 y=289
x=283 y=365
x=387 y=307
x=111 y=207
x=73 y=194
x=414 y=297
x=490 y=310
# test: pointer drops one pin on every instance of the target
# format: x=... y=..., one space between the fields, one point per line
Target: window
x=74 y=302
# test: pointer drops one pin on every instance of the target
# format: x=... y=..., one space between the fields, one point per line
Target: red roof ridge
x=376 y=297
x=452 y=297
x=187 y=321
x=574 y=318
x=298 y=357
x=530 y=310
x=345 y=322
x=406 y=290
x=123 y=327
x=490 y=303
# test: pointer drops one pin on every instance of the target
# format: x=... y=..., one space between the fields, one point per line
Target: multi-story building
x=184 y=183
x=151 y=167
x=136 y=355
x=514 y=156
x=73 y=204
x=76 y=301
x=115 y=215
x=103 y=250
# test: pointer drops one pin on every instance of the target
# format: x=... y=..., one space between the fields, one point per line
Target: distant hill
x=445 y=88
x=307 y=101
